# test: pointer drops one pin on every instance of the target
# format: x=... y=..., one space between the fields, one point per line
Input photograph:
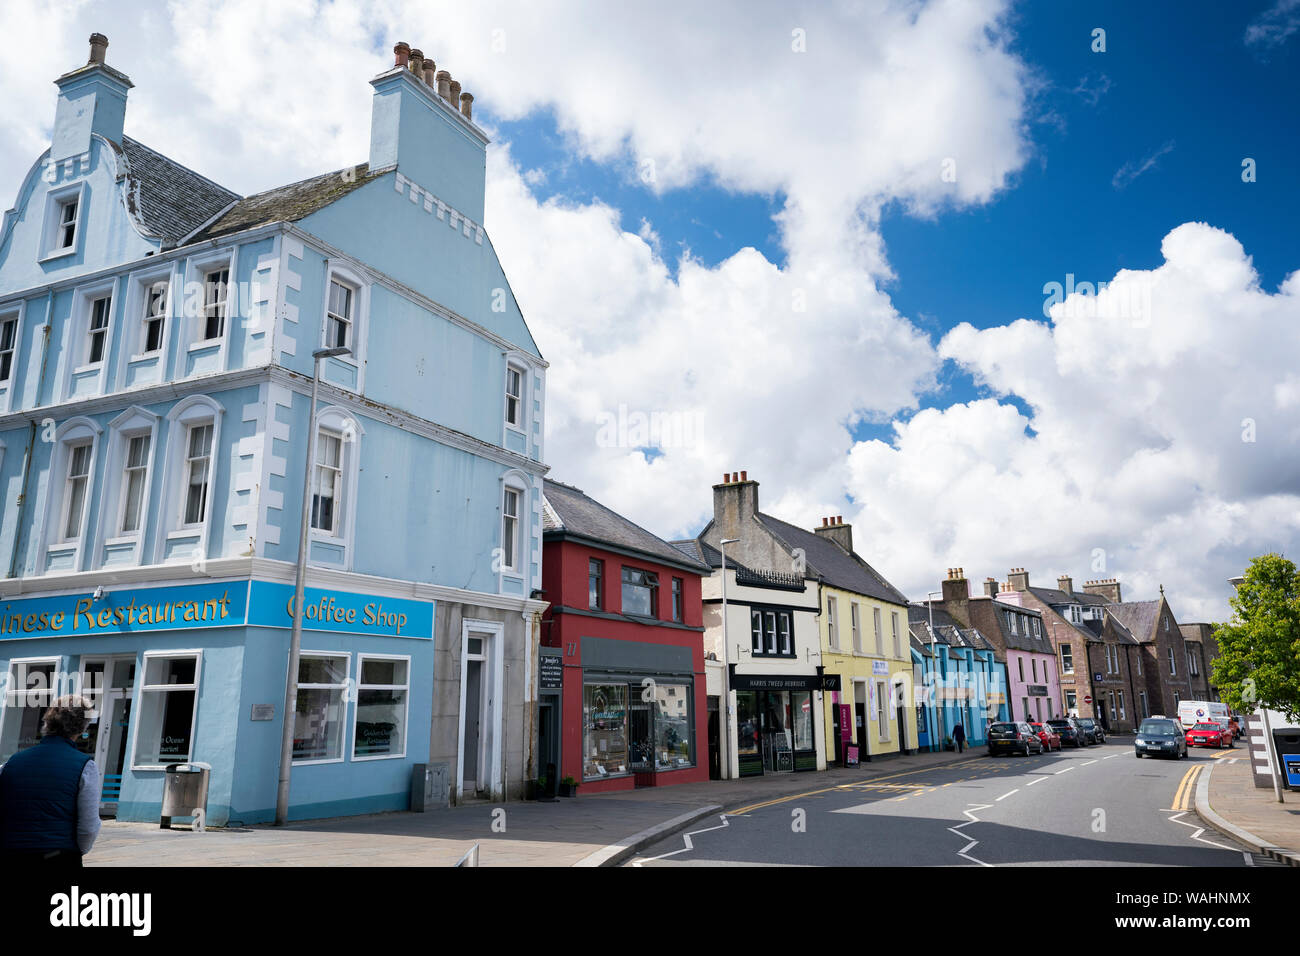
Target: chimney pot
x=98 y=45
x=453 y=90
x=430 y=69
x=401 y=54
x=415 y=60
x=467 y=105
x=744 y=476
x=444 y=84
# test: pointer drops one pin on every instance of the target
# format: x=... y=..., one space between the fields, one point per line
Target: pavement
x=1228 y=801
x=590 y=830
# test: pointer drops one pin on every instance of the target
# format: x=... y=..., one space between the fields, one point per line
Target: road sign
x=1087 y=699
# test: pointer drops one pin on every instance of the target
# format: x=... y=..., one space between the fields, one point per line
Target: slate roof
x=1139 y=617
x=1021 y=641
x=1054 y=596
x=170 y=200
x=574 y=513
x=290 y=203
x=694 y=550
x=946 y=629
x=827 y=560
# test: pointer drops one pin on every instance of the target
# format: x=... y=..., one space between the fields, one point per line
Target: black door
x=715 y=738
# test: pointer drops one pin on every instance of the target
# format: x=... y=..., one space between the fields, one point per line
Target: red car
x=1050 y=738
x=1209 y=734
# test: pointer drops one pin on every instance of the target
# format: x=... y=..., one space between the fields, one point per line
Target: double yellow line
x=1186 y=787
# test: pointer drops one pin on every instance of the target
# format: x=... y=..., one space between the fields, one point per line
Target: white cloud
x=1137 y=448
x=1136 y=420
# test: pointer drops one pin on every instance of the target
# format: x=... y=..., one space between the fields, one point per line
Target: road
x=1099 y=806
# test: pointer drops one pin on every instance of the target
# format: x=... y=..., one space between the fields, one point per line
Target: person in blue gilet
x=49 y=793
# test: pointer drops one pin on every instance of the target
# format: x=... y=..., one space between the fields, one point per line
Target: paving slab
x=1228 y=800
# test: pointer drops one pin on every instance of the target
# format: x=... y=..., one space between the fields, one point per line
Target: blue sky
x=1150 y=133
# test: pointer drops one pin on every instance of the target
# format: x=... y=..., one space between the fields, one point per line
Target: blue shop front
x=196 y=672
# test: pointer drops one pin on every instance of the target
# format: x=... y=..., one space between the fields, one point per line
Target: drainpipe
x=31 y=437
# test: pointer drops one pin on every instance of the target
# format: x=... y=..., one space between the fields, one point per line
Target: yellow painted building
x=865 y=641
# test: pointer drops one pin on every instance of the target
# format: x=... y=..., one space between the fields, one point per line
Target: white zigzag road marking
x=686 y=838
x=1199 y=830
x=957 y=830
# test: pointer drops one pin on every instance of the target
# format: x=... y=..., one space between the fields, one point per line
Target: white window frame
x=880 y=632
x=141 y=687
x=72 y=432
x=898 y=637
x=194 y=337
x=344 y=689
x=10 y=312
x=224 y=303
x=55 y=201
x=338 y=270
x=832 y=625
x=11 y=689
x=356 y=706
x=855 y=620
x=882 y=711
x=74 y=353
x=1122 y=715
x=347 y=426
x=512 y=564
x=193 y=410
x=1067 y=651
x=522 y=371
x=133 y=422
x=1173 y=663
x=87 y=480
x=147 y=289
x=188 y=462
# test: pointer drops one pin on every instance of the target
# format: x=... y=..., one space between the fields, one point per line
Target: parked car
x=1068 y=729
x=1209 y=733
x=1008 y=737
x=1160 y=737
x=1050 y=738
x=1093 y=732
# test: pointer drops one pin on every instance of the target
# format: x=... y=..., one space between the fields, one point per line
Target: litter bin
x=185 y=793
x=1286 y=744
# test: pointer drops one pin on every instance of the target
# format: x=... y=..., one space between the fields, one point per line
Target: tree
x=1259 y=649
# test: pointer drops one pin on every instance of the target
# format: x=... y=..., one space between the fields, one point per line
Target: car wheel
x=1137 y=754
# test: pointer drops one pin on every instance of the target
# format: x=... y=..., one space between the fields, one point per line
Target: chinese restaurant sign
x=223 y=604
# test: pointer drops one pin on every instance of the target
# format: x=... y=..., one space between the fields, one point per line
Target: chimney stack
x=467 y=106
x=1106 y=588
x=1018 y=579
x=991 y=587
x=1065 y=584
x=735 y=502
x=98 y=47
x=836 y=530
x=401 y=54
x=956 y=591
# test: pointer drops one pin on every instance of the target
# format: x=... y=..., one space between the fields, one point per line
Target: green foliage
x=1259 y=649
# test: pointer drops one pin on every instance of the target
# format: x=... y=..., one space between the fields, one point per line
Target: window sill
x=92 y=367
x=127 y=539
x=519 y=429
x=186 y=532
x=58 y=254
x=401 y=756
x=322 y=760
x=145 y=356
x=205 y=344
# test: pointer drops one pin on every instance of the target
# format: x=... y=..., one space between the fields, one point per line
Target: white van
x=1197 y=711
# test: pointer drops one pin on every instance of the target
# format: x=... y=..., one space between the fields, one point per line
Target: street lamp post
x=941 y=716
x=300 y=573
x=726 y=654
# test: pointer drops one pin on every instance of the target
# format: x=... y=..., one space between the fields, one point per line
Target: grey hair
x=66 y=717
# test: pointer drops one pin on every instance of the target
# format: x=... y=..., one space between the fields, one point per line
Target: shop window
x=801 y=704
x=379 y=727
x=31 y=689
x=604 y=741
x=672 y=729
x=321 y=711
x=640 y=592
x=168 y=708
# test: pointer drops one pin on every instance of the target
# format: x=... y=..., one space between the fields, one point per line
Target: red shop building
x=621 y=680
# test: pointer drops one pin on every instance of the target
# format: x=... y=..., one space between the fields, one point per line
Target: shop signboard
x=550 y=672
x=851 y=755
x=846 y=726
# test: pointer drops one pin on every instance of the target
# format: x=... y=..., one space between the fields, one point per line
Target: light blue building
x=958 y=677
x=156 y=339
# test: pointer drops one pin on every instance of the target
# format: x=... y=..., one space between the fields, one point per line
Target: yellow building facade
x=864 y=640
